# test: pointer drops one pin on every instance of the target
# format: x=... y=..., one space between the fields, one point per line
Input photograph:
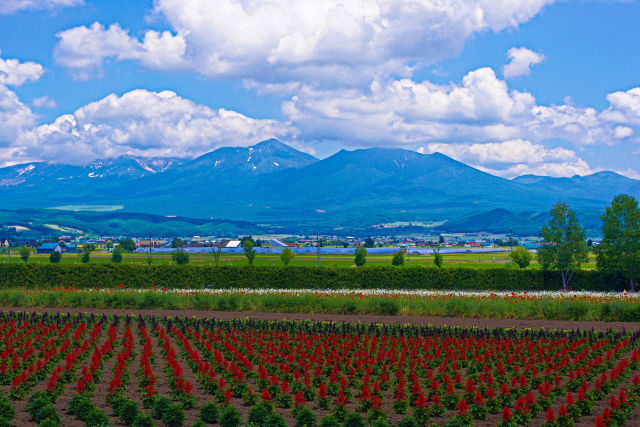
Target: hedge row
x=187 y=276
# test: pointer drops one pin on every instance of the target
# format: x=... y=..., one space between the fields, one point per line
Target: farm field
x=471 y=260
x=132 y=368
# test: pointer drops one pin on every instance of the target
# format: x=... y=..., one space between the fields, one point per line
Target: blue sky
x=525 y=86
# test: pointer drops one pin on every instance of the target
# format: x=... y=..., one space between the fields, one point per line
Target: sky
x=511 y=87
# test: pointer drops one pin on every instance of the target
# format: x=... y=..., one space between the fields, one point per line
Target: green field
x=470 y=260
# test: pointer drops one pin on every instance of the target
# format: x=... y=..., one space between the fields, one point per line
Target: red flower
x=550 y=417
x=506 y=414
x=265 y=394
x=298 y=399
x=463 y=407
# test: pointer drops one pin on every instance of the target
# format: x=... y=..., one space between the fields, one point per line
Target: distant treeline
x=46 y=276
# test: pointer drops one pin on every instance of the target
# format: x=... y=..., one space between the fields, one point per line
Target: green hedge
x=188 y=276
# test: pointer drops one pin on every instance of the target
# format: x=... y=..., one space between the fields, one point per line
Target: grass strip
x=585 y=309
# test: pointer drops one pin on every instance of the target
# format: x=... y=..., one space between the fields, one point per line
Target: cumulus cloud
x=515 y=157
x=145 y=123
x=278 y=40
x=481 y=108
x=15 y=117
x=521 y=60
x=84 y=49
x=11 y=6
x=16 y=73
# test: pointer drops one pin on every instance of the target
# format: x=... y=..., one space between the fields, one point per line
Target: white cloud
x=481 y=108
x=515 y=157
x=44 y=102
x=84 y=49
x=145 y=123
x=11 y=6
x=15 y=117
x=405 y=111
x=16 y=73
x=521 y=60
x=279 y=40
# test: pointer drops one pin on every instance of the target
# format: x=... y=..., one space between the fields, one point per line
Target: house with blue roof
x=47 y=248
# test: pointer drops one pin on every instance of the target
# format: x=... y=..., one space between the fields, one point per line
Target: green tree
x=86 y=252
x=216 y=254
x=249 y=252
x=116 y=254
x=55 y=257
x=520 y=256
x=180 y=257
x=127 y=245
x=565 y=249
x=619 y=251
x=109 y=244
x=177 y=243
x=286 y=256
x=441 y=239
x=398 y=258
x=369 y=242
x=25 y=253
x=589 y=243
x=438 y=259
x=360 y=256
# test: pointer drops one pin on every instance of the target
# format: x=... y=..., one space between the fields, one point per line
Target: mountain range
x=276 y=187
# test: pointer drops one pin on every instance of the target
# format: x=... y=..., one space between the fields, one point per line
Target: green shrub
x=408 y=421
x=354 y=419
x=173 y=416
x=198 y=423
x=329 y=421
x=209 y=413
x=46 y=412
x=36 y=401
x=50 y=422
x=258 y=415
x=80 y=406
x=305 y=417
x=159 y=407
x=6 y=409
x=128 y=411
x=143 y=419
x=230 y=417
x=97 y=418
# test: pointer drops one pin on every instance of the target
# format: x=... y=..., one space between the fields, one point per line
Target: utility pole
x=8 y=245
x=511 y=239
x=149 y=248
x=318 y=248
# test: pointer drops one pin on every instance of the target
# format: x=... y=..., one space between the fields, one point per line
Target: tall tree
x=520 y=256
x=619 y=251
x=127 y=245
x=438 y=259
x=286 y=256
x=25 y=253
x=398 y=258
x=176 y=242
x=369 y=242
x=361 y=256
x=565 y=247
x=249 y=252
